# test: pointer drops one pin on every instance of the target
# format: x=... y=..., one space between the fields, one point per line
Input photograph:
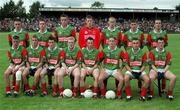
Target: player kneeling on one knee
x=111 y=56
x=51 y=66
x=16 y=56
x=71 y=59
x=34 y=62
x=135 y=62
x=160 y=60
x=90 y=59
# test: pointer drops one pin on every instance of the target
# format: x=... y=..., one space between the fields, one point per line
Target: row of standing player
x=64 y=30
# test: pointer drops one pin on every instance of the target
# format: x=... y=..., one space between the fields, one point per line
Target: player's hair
x=157 y=19
x=133 y=21
x=16 y=37
x=64 y=15
x=35 y=37
x=161 y=39
x=71 y=38
x=111 y=17
x=90 y=38
x=41 y=19
x=89 y=17
x=53 y=38
x=17 y=19
x=113 y=38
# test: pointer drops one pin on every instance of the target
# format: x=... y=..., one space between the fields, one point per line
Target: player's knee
x=18 y=75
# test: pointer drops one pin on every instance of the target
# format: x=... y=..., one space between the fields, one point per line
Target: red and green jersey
x=35 y=56
x=129 y=36
x=71 y=57
x=43 y=38
x=86 y=32
x=90 y=58
x=23 y=37
x=112 y=58
x=52 y=56
x=135 y=60
x=62 y=35
x=153 y=36
x=107 y=33
x=160 y=58
x=17 y=56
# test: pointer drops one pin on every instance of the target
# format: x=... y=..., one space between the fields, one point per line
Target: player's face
x=64 y=21
x=71 y=44
x=89 y=22
x=133 y=26
x=111 y=42
x=135 y=44
x=42 y=25
x=157 y=24
x=160 y=44
x=51 y=44
x=15 y=43
x=90 y=43
x=34 y=42
x=17 y=25
x=112 y=23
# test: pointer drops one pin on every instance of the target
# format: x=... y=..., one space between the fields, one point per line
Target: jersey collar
x=156 y=31
x=35 y=48
x=132 y=32
x=42 y=32
x=112 y=50
x=15 y=49
x=160 y=51
x=89 y=50
x=112 y=29
x=19 y=31
x=52 y=49
x=65 y=27
x=135 y=52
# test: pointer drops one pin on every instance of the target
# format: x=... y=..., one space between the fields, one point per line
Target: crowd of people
x=144 y=25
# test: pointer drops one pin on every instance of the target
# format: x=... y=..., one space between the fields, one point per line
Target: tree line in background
x=12 y=10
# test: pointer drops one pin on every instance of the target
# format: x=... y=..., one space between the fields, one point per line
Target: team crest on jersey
x=107 y=54
x=107 y=34
x=132 y=57
x=85 y=55
x=48 y=55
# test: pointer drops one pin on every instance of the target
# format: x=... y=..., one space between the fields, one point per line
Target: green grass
x=49 y=103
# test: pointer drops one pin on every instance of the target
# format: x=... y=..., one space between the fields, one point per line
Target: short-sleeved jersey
x=135 y=60
x=17 y=56
x=90 y=58
x=35 y=56
x=129 y=36
x=160 y=58
x=71 y=57
x=112 y=58
x=153 y=36
x=43 y=38
x=85 y=33
x=52 y=57
x=23 y=37
x=62 y=35
x=107 y=33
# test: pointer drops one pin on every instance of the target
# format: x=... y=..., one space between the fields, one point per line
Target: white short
x=129 y=73
x=111 y=72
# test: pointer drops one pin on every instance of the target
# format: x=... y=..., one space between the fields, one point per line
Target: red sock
x=33 y=87
x=17 y=88
x=150 y=92
x=8 y=89
x=27 y=87
x=55 y=89
x=61 y=90
x=128 y=91
x=44 y=87
x=82 y=89
x=95 y=90
x=13 y=83
x=163 y=84
x=118 y=92
x=75 y=91
x=103 y=92
x=143 y=91
x=169 y=93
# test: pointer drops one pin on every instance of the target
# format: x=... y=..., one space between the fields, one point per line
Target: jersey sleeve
x=79 y=57
x=152 y=59
x=24 y=54
x=97 y=39
x=144 y=59
x=126 y=58
x=124 y=40
x=168 y=57
x=62 y=56
x=81 y=39
x=27 y=39
x=9 y=57
x=120 y=39
x=10 y=39
x=42 y=55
